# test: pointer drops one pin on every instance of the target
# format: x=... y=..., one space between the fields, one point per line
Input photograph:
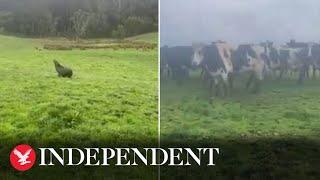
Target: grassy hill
x=111 y=99
x=113 y=94
x=148 y=37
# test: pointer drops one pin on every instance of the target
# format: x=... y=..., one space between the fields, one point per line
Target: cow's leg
x=250 y=80
x=257 y=84
x=258 y=77
x=276 y=75
x=217 y=86
x=281 y=73
x=212 y=87
x=271 y=73
x=302 y=74
x=307 y=74
x=314 y=69
x=203 y=73
x=224 y=89
x=206 y=79
x=224 y=84
x=230 y=81
x=292 y=73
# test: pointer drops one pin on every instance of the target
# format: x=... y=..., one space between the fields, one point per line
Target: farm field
x=112 y=97
x=148 y=37
x=260 y=135
x=282 y=109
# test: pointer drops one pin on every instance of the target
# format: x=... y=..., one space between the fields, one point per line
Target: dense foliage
x=78 y=18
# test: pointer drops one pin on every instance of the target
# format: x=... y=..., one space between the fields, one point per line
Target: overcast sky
x=238 y=21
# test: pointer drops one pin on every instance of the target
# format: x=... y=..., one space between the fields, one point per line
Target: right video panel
x=242 y=76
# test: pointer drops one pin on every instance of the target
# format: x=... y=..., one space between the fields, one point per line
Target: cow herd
x=220 y=62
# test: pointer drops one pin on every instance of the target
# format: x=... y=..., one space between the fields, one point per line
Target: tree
x=137 y=25
x=120 y=32
x=80 y=20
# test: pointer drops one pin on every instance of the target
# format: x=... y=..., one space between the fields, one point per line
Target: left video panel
x=78 y=74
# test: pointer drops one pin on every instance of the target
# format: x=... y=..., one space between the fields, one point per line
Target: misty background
x=248 y=21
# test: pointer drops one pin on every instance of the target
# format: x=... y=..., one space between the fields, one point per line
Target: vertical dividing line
x=159 y=84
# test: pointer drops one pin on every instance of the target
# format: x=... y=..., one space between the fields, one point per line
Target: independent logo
x=22 y=157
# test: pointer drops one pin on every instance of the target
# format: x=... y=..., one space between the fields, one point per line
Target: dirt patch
x=115 y=46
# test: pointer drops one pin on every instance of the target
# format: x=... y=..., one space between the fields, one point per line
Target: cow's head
x=198 y=54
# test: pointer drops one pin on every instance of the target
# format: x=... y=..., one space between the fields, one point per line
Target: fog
x=246 y=21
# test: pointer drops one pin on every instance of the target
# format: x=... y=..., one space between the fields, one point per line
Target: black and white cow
x=221 y=62
x=176 y=61
x=287 y=59
x=250 y=58
x=271 y=58
x=290 y=59
x=215 y=60
x=295 y=60
x=315 y=58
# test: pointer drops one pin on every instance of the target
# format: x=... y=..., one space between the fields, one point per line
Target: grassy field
x=149 y=37
x=112 y=95
x=282 y=109
x=249 y=128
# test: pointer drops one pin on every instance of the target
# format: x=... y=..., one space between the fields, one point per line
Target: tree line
x=79 y=18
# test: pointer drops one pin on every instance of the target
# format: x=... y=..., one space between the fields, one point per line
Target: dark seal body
x=62 y=71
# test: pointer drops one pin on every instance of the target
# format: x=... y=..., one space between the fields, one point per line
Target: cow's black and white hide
x=271 y=58
x=215 y=61
x=315 y=58
x=250 y=58
x=295 y=60
x=177 y=61
x=277 y=59
x=286 y=60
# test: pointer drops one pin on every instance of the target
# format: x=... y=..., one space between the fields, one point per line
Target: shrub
x=137 y=25
x=119 y=32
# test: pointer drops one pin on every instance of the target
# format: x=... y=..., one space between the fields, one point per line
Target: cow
x=277 y=59
x=250 y=58
x=287 y=59
x=315 y=58
x=215 y=61
x=176 y=61
x=295 y=60
x=271 y=58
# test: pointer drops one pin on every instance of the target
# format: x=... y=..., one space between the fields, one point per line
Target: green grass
x=110 y=101
x=112 y=95
x=270 y=135
x=148 y=37
x=282 y=109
